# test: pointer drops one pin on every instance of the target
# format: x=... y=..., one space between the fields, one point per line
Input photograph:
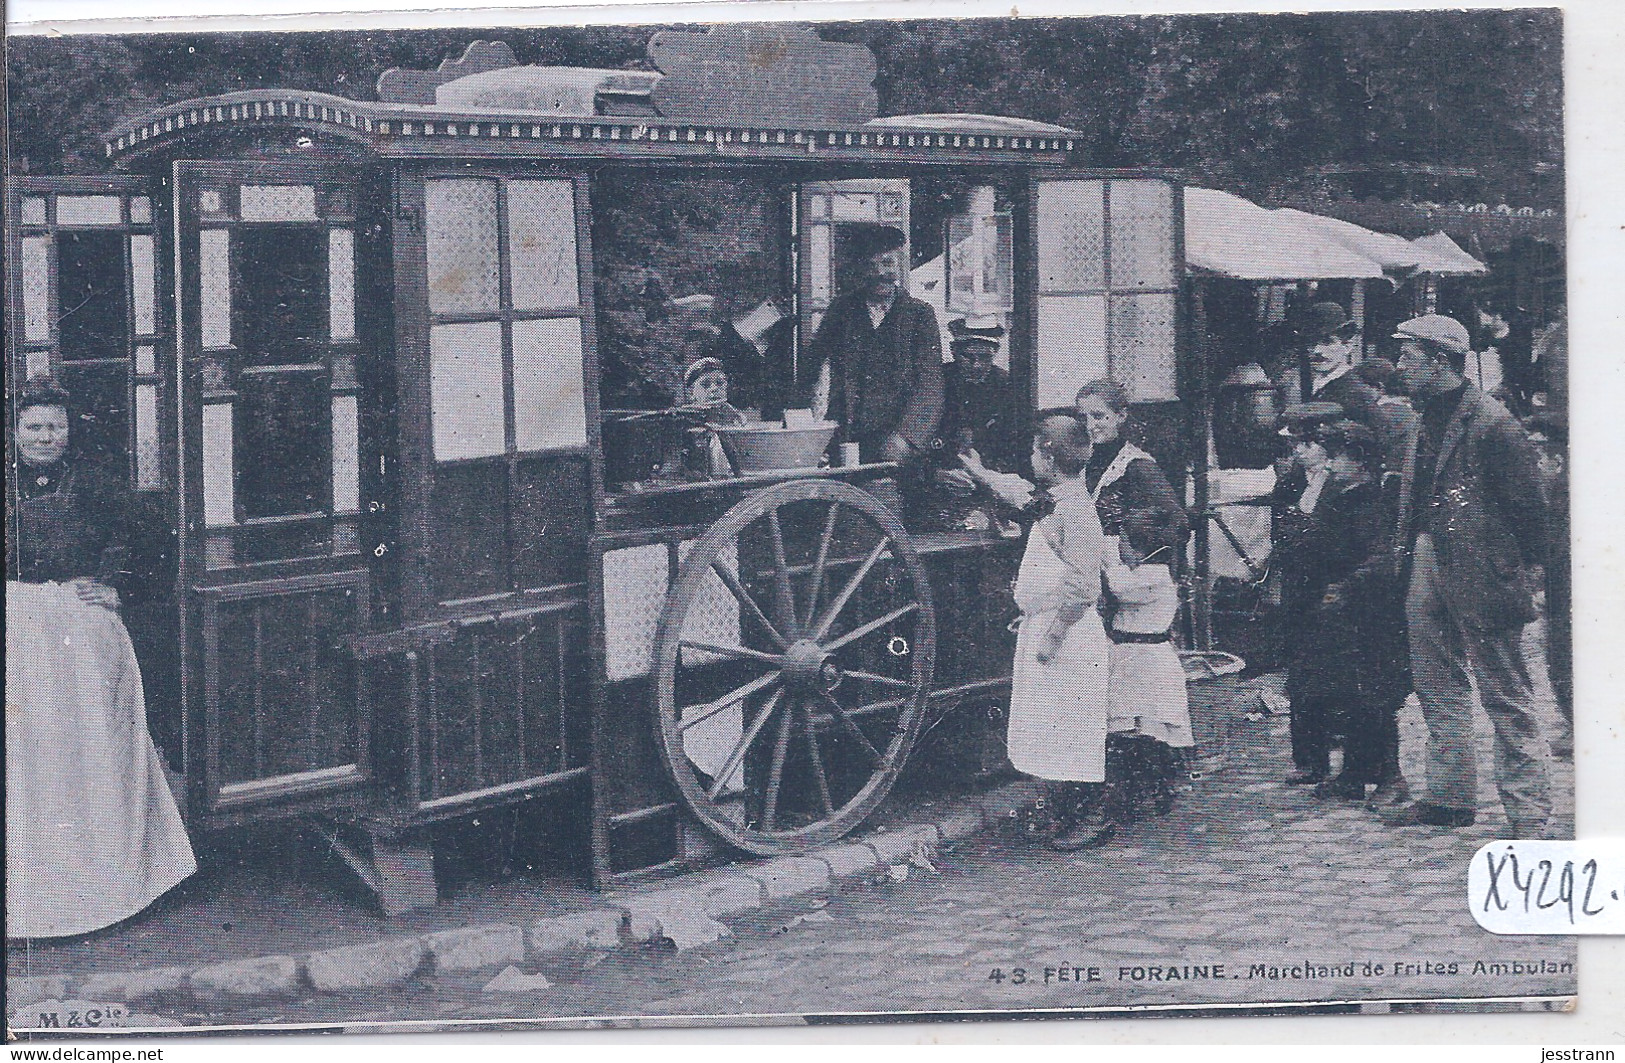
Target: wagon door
x=274 y=467
x=85 y=305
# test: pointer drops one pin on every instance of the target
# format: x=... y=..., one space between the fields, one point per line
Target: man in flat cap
x=877 y=356
x=1473 y=512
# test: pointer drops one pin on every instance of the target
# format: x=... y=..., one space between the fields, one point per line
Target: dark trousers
x=1371 y=739
x=1311 y=723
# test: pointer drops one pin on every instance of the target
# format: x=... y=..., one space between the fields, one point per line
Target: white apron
x=1057 y=710
x=92 y=833
x=1147 y=691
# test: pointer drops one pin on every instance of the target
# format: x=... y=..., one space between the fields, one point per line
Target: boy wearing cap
x=1353 y=636
x=1301 y=484
x=875 y=363
x=1472 y=511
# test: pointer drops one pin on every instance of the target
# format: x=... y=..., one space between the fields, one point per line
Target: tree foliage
x=1260 y=104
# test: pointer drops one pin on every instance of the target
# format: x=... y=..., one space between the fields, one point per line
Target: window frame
x=27 y=354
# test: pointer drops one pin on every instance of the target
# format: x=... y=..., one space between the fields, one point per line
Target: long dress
x=1058 y=709
x=1147 y=692
x=92 y=832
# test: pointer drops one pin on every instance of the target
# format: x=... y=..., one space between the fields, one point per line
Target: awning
x=1444 y=257
x=1233 y=237
x=1393 y=253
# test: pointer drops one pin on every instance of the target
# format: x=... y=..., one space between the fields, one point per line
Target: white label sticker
x=1549 y=887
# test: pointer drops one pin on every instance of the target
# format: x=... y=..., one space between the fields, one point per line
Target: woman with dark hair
x=92 y=831
x=1145 y=528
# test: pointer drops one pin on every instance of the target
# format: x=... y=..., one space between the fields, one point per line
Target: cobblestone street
x=1252 y=891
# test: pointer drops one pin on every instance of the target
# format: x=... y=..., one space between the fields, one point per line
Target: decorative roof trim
x=386 y=125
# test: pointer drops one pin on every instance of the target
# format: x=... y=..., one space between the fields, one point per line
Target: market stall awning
x=1234 y=237
x=1393 y=253
x=1443 y=256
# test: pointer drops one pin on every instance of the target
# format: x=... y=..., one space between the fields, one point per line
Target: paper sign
x=1549 y=887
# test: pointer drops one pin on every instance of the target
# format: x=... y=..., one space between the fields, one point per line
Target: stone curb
x=683 y=912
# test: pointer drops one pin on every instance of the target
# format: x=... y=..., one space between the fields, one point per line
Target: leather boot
x=1091 y=825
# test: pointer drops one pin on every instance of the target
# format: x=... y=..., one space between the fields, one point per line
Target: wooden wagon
x=355 y=354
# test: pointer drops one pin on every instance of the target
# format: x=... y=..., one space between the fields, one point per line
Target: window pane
x=1143 y=330
x=462 y=245
x=1071 y=346
x=214 y=269
x=101 y=414
x=219 y=502
x=1071 y=222
x=341 y=284
x=550 y=514
x=37 y=288
x=146 y=360
x=87 y=210
x=281 y=294
x=821 y=249
x=282 y=433
x=469 y=555
x=1142 y=238
x=549 y=404
x=143 y=285
x=90 y=296
x=33 y=210
x=542 y=244
x=465 y=384
x=147 y=446
x=140 y=210
x=346 y=456
x=277 y=203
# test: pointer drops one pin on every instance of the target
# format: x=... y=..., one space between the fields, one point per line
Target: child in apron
x=1058 y=695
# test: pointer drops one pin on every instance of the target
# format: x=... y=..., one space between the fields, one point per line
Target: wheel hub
x=808 y=667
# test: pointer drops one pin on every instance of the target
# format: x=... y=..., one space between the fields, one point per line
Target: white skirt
x=92 y=832
x=1058 y=710
x=1148 y=695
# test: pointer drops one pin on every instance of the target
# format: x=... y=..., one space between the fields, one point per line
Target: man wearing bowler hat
x=1473 y=512
x=1333 y=345
x=875 y=364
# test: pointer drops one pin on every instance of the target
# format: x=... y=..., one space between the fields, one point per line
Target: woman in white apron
x=1145 y=529
x=92 y=832
x=1058 y=695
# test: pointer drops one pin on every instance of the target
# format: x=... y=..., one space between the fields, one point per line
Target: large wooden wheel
x=808 y=717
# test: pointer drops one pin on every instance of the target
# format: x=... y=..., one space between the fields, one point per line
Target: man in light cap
x=1472 y=511
x=876 y=361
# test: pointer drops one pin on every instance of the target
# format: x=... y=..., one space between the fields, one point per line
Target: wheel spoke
x=781 y=575
x=720 y=783
x=817 y=760
x=873 y=707
x=870 y=677
x=739 y=652
x=823 y=558
x=850 y=589
x=852 y=728
x=873 y=625
x=711 y=708
x=738 y=589
x=770 y=809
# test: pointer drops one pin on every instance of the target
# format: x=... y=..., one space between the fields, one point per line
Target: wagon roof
x=710 y=96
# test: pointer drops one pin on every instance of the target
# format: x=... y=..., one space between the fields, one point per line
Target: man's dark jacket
x=1486 y=513
x=882 y=380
